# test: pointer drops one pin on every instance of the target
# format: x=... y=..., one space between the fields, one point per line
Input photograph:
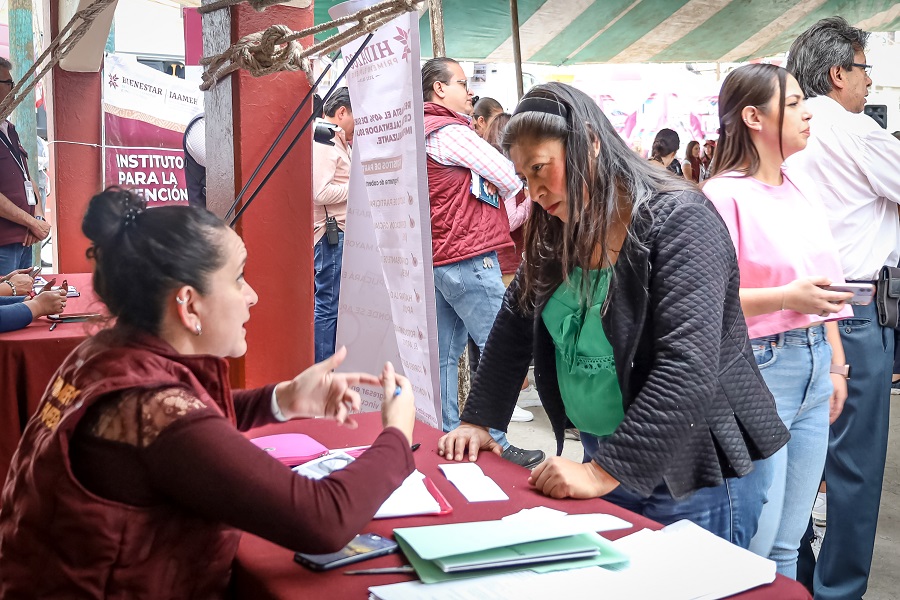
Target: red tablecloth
x=263 y=570
x=28 y=359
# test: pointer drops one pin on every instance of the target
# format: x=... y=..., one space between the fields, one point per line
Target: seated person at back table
x=132 y=479
x=18 y=309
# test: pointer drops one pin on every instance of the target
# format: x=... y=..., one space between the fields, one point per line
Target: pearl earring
x=198 y=329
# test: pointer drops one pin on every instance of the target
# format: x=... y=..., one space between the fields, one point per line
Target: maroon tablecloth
x=263 y=570
x=28 y=359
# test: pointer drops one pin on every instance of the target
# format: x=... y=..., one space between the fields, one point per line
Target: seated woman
x=132 y=479
x=628 y=301
x=18 y=309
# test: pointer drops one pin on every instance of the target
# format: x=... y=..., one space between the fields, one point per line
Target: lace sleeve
x=137 y=417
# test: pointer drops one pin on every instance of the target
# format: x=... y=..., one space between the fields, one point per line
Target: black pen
x=414 y=447
x=53 y=325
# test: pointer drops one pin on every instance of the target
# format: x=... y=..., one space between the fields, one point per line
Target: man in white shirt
x=856 y=165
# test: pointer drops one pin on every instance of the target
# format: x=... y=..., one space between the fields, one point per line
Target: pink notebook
x=291 y=448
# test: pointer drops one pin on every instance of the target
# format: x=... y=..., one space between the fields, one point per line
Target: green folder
x=414 y=545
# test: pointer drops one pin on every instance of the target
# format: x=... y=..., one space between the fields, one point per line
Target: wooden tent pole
x=436 y=13
x=517 y=46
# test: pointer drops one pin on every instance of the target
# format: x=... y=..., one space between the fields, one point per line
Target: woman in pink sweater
x=787 y=258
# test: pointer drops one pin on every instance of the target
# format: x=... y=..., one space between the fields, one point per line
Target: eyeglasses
x=864 y=67
x=464 y=82
x=8 y=82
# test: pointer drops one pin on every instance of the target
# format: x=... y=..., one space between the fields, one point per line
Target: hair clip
x=131 y=215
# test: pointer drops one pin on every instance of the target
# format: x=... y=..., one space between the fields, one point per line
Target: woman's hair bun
x=110 y=213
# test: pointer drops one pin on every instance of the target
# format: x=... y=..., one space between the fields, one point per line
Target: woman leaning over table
x=132 y=480
x=628 y=301
x=786 y=254
x=18 y=308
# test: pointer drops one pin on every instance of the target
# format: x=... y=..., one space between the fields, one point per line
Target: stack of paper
x=680 y=562
x=459 y=550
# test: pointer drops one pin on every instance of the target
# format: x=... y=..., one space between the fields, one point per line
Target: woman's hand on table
x=560 y=477
x=50 y=302
x=21 y=280
x=320 y=392
x=467 y=439
x=399 y=406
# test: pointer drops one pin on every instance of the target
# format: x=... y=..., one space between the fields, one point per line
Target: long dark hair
x=693 y=160
x=750 y=85
x=665 y=143
x=142 y=255
x=617 y=181
x=493 y=135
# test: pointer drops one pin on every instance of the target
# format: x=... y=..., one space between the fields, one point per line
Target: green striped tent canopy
x=630 y=31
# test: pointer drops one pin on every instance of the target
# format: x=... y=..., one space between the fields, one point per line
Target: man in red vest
x=467 y=229
x=21 y=217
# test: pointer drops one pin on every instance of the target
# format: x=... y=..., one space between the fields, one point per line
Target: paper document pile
x=460 y=550
x=679 y=562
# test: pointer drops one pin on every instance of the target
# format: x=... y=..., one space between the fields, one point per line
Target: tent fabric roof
x=628 y=31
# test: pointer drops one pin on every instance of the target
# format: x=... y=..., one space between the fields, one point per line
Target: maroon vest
x=12 y=185
x=57 y=540
x=461 y=225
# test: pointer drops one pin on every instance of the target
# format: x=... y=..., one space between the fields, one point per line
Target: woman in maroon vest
x=132 y=479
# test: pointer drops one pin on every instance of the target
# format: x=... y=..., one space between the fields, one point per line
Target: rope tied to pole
x=277 y=49
x=62 y=44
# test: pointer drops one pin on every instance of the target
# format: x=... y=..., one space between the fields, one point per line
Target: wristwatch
x=39 y=218
x=841 y=370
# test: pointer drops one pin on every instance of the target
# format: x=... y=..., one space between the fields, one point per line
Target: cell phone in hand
x=34 y=271
x=863 y=293
x=363 y=547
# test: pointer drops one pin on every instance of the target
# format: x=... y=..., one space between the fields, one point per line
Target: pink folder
x=291 y=449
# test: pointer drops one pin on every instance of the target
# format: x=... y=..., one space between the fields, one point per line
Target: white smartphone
x=863 y=293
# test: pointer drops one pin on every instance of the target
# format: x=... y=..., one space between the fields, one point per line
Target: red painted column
x=277 y=228
x=74 y=113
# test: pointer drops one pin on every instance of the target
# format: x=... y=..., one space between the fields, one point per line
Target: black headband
x=543 y=105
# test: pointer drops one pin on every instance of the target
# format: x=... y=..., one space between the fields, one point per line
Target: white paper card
x=472 y=483
x=411 y=498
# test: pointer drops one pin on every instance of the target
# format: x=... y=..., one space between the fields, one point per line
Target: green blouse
x=585 y=365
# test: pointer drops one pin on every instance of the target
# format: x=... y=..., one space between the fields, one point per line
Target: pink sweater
x=780 y=234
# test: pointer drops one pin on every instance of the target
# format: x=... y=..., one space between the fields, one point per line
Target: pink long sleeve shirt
x=780 y=234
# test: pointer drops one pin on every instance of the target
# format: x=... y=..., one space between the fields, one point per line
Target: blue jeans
x=730 y=510
x=14 y=256
x=468 y=295
x=328 y=261
x=795 y=365
x=854 y=467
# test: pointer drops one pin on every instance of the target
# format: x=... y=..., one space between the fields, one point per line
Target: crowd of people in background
x=679 y=316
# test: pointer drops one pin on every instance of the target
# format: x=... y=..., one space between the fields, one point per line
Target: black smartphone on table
x=363 y=547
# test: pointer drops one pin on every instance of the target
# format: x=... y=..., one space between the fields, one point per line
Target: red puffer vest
x=57 y=540
x=461 y=225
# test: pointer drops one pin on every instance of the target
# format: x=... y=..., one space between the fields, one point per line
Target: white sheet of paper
x=411 y=498
x=541 y=514
x=472 y=483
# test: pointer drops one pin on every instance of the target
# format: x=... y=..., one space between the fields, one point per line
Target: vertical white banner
x=387 y=309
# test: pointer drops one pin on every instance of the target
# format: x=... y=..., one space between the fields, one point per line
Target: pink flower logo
x=403 y=38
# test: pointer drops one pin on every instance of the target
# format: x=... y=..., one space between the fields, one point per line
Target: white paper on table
x=472 y=483
x=411 y=498
x=542 y=514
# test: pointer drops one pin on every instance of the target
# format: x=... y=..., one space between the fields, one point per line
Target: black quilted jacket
x=696 y=408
